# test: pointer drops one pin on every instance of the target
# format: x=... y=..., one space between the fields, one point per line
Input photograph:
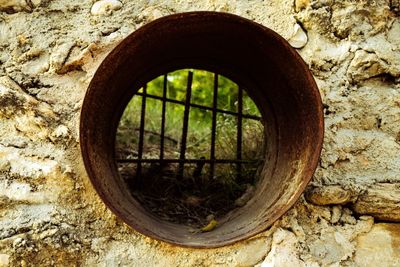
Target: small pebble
x=18 y=242
x=299 y=38
x=60 y=131
x=328 y=195
x=301 y=4
x=247 y=195
x=36 y=3
x=336 y=214
x=105 y=7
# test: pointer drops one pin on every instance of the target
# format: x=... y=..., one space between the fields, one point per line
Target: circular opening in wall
x=132 y=160
x=190 y=147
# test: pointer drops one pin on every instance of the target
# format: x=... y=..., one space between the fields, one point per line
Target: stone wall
x=50 y=214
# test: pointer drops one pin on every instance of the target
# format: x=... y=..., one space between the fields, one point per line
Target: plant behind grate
x=190 y=146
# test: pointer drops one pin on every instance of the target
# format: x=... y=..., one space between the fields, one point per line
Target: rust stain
x=394 y=230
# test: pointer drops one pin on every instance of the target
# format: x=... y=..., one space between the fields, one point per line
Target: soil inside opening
x=194 y=178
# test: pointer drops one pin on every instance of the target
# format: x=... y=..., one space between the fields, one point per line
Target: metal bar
x=141 y=132
x=191 y=161
x=247 y=116
x=239 y=133
x=185 y=122
x=214 y=126
x=163 y=117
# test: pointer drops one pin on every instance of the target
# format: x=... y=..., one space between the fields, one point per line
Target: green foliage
x=202 y=94
x=200 y=120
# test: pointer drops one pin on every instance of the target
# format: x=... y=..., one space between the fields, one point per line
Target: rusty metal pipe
x=254 y=57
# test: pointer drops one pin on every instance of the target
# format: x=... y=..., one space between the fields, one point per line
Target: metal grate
x=182 y=160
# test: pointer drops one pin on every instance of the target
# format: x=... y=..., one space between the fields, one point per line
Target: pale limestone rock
x=21 y=192
x=19 y=242
x=105 y=7
x=48 y=233
x=336 y=214
x=324 y=54
x=284 y=252
x=347 y=217
x=252 y=253
x=331 y=247
x=366 y=65
x=37 y=66
x=18 y=5
x=60 y=54
x=360 y=19
x=26 y=166
x=299 y=37
x=60 y=132
x=301 y=4
x=393 y=34
x=13 y=5
x=77 y=58
x=14 y=101
x=247 y=253
x=30 y=116
x=26 y=216
x=151 y=13
x=35 y=128
x=328 y=195
x=380 y=201
x=36 y=3
x=379 y=247
x=4 y=260
x=387 y=49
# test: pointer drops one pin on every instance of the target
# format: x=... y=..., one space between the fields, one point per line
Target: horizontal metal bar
x=189 y=161
x=247 y=116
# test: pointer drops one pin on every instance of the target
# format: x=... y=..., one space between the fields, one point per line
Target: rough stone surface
x=381 y=201
x=11 y=6
x=50 y=214
x=4 y=260
x=379 y=247
x=283 y=250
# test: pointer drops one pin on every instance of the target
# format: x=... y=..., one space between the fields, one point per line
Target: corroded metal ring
x=254 y=57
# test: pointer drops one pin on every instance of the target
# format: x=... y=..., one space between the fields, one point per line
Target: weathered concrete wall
x=51 y=215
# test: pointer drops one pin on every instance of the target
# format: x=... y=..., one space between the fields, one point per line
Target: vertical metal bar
x=239 y=133
x=185 y=122
x=164 y=97
x=141 y=132
x=214 y=126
